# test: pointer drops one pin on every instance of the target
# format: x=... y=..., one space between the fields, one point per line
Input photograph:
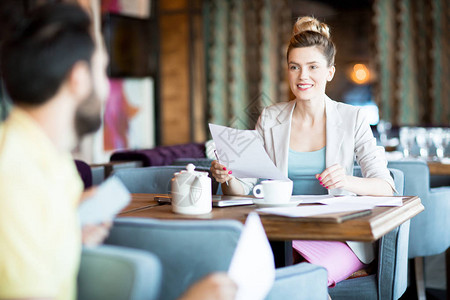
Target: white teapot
x=191 y=192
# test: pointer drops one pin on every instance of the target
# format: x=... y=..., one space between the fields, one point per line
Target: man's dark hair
x=37 y=57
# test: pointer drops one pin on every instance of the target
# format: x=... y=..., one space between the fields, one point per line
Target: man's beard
x=88 y=115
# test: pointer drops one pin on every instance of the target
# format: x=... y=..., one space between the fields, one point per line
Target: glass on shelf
x=437 y=136
x=446 y=142
x=424 y=142
x=407 y=140
x=383 y=128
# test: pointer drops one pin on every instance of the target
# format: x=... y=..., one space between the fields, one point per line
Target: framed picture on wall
x=131 y=8
x=128 y=121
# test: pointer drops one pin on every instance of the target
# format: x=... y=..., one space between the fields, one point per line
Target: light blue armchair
x=430 y=230
x=390 y=280
x=189 y=250
x=118 y=273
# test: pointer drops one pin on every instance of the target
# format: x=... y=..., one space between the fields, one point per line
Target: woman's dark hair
x=309 y=32
x=39 y=54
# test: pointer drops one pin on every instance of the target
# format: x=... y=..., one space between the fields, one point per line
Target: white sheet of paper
x=375 y=201
x=242 y=152
x=330 y=199
x=312 y=210
x=310 y=199
x=110 y=198
x=252 y=267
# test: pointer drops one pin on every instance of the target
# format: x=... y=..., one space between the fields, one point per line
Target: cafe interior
x=177 y=66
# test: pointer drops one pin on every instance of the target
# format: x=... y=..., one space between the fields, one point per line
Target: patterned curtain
x=412 y=57
x=245 y=58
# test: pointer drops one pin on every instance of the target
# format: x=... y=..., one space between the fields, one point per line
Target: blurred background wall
x=177 y=65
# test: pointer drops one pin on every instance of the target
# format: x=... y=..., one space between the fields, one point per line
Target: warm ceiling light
x=360 y=74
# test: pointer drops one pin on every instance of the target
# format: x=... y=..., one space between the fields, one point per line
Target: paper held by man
x=243 y=152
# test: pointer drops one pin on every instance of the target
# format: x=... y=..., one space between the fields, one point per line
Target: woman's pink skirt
x=336 y=257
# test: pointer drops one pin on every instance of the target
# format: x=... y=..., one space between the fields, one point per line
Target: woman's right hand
x=220 y=172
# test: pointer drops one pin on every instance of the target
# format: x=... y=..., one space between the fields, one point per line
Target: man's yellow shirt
x=40 y=188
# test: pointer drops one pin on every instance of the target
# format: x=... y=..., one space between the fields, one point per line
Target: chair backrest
x=154 y=180
x=417 y=177
x=188 y=250
x=427 y=232
x=85 y=173
x=118 y=273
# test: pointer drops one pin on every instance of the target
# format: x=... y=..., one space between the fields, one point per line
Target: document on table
x=109 y=199
x=356 y=200
x=311 y=199
x=243 y=152
x=365 y=200
x=252 y=267
x=314 y=210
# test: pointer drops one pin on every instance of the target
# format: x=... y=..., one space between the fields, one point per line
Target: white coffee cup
x=274 y=191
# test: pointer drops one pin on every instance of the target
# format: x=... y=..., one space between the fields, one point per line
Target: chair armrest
x=300 y=281
x=428 y=235
x=393 y=262
x=117 y=273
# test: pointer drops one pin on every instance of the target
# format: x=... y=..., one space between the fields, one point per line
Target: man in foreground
x=56 y=77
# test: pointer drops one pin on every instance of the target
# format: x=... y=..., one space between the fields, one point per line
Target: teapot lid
x=190 y=169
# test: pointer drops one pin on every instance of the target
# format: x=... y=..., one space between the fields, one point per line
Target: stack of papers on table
x=353 y=205
x=356 y=200
x=314 y=210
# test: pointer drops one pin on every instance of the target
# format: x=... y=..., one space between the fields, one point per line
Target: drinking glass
x=437 y=136
x=446 y=141
x=383 y=128
x=423 y=141
x=407 y=140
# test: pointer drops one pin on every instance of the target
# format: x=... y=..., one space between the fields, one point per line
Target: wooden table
x=438 y=168
x=366 y=228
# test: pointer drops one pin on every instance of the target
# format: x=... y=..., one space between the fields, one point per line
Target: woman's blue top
x=302 y=168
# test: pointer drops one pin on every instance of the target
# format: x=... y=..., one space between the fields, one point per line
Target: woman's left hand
x=333 y=177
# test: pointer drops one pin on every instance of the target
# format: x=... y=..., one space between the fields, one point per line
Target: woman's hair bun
x=310 y=24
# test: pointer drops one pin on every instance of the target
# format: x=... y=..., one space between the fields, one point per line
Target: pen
x=215 y=153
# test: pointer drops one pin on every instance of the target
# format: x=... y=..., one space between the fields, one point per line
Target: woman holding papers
x=316 y=136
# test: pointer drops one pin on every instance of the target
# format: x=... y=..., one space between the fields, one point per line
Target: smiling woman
x=308 y=73
x=315 y=137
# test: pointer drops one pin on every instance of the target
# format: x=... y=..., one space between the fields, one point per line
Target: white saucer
x=262 y=203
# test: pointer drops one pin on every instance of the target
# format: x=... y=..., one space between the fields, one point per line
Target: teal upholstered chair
x=189 y=250
x=430 y=230
x=154 y=180
x=390 y=280
x=118 y=273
